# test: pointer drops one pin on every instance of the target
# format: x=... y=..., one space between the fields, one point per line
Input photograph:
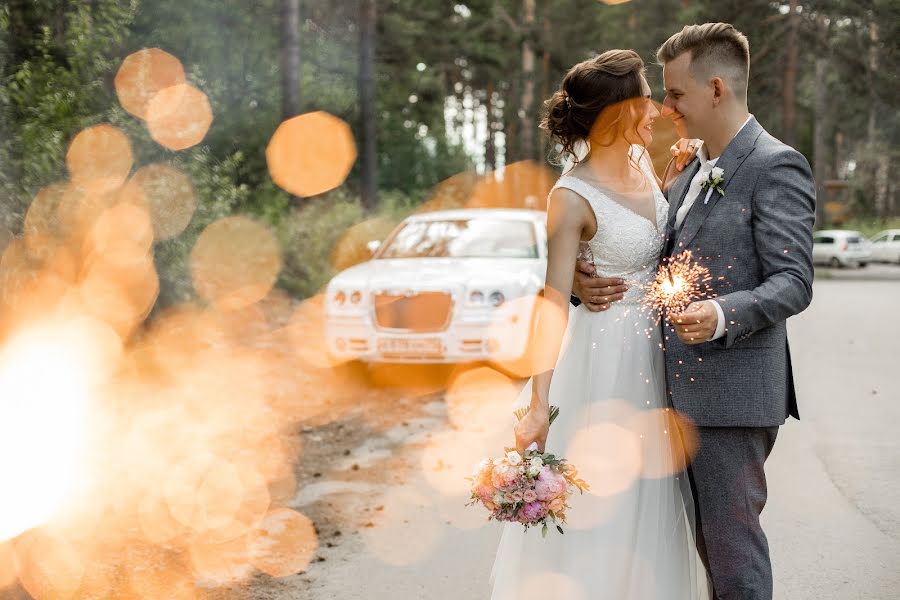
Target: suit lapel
x=731 y=160
x=677 y=193
x=679 y=189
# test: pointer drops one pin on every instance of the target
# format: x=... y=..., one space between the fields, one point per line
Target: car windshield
x=478 y=237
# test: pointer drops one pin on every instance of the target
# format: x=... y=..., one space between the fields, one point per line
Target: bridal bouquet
x=531 y=488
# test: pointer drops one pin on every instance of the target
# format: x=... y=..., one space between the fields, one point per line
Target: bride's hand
x=684 y=152
x=533 y=427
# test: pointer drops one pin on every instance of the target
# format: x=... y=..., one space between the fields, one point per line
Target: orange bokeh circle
x=235 y=262
x=142 y=75
x=167 y=194
x=311 y=154
x=99 y=158
x=179 y=116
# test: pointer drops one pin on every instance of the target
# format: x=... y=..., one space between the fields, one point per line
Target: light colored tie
x=693 y=192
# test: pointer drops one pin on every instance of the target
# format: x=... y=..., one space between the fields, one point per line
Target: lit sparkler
x=678 y=282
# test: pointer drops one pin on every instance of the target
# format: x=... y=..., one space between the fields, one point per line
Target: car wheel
x=835 y=262
x=862 y=265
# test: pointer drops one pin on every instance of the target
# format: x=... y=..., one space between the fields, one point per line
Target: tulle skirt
x=629 y=537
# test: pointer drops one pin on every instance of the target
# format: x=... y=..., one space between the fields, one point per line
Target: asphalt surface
x=833 y=517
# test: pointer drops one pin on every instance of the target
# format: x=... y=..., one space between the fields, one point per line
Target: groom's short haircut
x=717 y=50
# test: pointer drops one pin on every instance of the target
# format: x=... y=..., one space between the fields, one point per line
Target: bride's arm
x=568 y=217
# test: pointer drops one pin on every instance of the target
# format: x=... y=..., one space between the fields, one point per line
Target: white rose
x=481 y=466
x=514 y=458
x=498 y=497
x=537 y=462
x=534 y=471
x=717 y=172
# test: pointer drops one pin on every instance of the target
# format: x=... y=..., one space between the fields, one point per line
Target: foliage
x=58 y=60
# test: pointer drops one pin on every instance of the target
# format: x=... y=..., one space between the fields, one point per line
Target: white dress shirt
x=694 y=189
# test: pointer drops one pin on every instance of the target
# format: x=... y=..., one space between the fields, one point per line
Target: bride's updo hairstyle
x=589 y=89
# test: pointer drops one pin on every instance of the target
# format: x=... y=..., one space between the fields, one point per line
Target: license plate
x=410 y=346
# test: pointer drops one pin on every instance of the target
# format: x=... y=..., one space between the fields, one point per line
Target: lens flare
x=480 y=400
x=608 y=456
x=524 y=184
x=179 y=117
x=311 y=154
x=547 y=321
x=235 y=262
x=167 y=194
x=352 y=247
x=99 y=159
x=41 y=217
x=284 y=543
x=142 y=75
x=45 y=418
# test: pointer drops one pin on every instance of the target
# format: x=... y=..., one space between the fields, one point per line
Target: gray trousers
x=728 y=481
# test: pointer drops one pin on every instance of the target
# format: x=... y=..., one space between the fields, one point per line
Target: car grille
x=420 y=312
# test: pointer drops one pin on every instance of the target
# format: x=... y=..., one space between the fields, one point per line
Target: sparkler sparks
x=678 y=282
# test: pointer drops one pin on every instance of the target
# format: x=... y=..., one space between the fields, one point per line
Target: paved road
x=834 y=507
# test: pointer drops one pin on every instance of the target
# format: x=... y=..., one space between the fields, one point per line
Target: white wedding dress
x=630 y=537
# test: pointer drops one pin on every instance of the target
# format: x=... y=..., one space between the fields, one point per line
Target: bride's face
x=646 y=114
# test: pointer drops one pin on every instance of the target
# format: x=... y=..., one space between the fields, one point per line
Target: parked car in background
x=886 y=246
x=840 y=248
x=445 y=287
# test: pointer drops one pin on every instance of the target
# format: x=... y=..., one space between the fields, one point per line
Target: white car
x=840 y=248
x=445 y=287
x=886 y=246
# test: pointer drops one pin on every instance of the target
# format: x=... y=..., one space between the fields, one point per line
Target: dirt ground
x=341 y=473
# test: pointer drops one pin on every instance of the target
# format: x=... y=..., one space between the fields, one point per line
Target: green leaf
x=544 y=530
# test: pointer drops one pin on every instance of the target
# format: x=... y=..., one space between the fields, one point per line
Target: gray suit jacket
x=756 y=242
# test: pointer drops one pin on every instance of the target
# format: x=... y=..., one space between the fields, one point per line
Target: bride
x=629 y=537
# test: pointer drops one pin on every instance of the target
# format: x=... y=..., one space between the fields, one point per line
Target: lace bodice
x=626 y=245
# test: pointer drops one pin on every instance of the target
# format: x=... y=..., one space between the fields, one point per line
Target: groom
x=727 y=360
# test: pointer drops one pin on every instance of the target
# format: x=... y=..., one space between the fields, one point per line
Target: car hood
x=431 y=273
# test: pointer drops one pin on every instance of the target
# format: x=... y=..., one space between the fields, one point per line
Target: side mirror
x=373 y=246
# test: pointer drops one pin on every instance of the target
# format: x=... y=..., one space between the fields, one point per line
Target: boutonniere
x=714 y=180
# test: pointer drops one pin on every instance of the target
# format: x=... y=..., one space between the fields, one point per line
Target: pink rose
x=549 y=485
x=517 y=496
x=531 y=512
x=508 y=498
x=484 y=493
x=529 y=496
x=505 y=475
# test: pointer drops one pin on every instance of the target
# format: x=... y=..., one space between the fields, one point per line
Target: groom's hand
x=597 y=293
x=697 y=323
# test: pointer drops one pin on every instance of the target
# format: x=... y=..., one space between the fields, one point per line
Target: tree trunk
x=545 y=85
x=290 y=58
x=882 y=170
x=873 y=92
x=838 y=165
x=820 y=133
x=789 y=107
x=490 y=149
x=367 y=110
x=526 y=106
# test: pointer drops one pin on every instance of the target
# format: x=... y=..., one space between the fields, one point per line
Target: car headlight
x=476 y=297
x=355 y=297
x=340 y=298
x=497 y=298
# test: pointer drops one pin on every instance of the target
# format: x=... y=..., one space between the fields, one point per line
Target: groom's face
x=686 y=98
